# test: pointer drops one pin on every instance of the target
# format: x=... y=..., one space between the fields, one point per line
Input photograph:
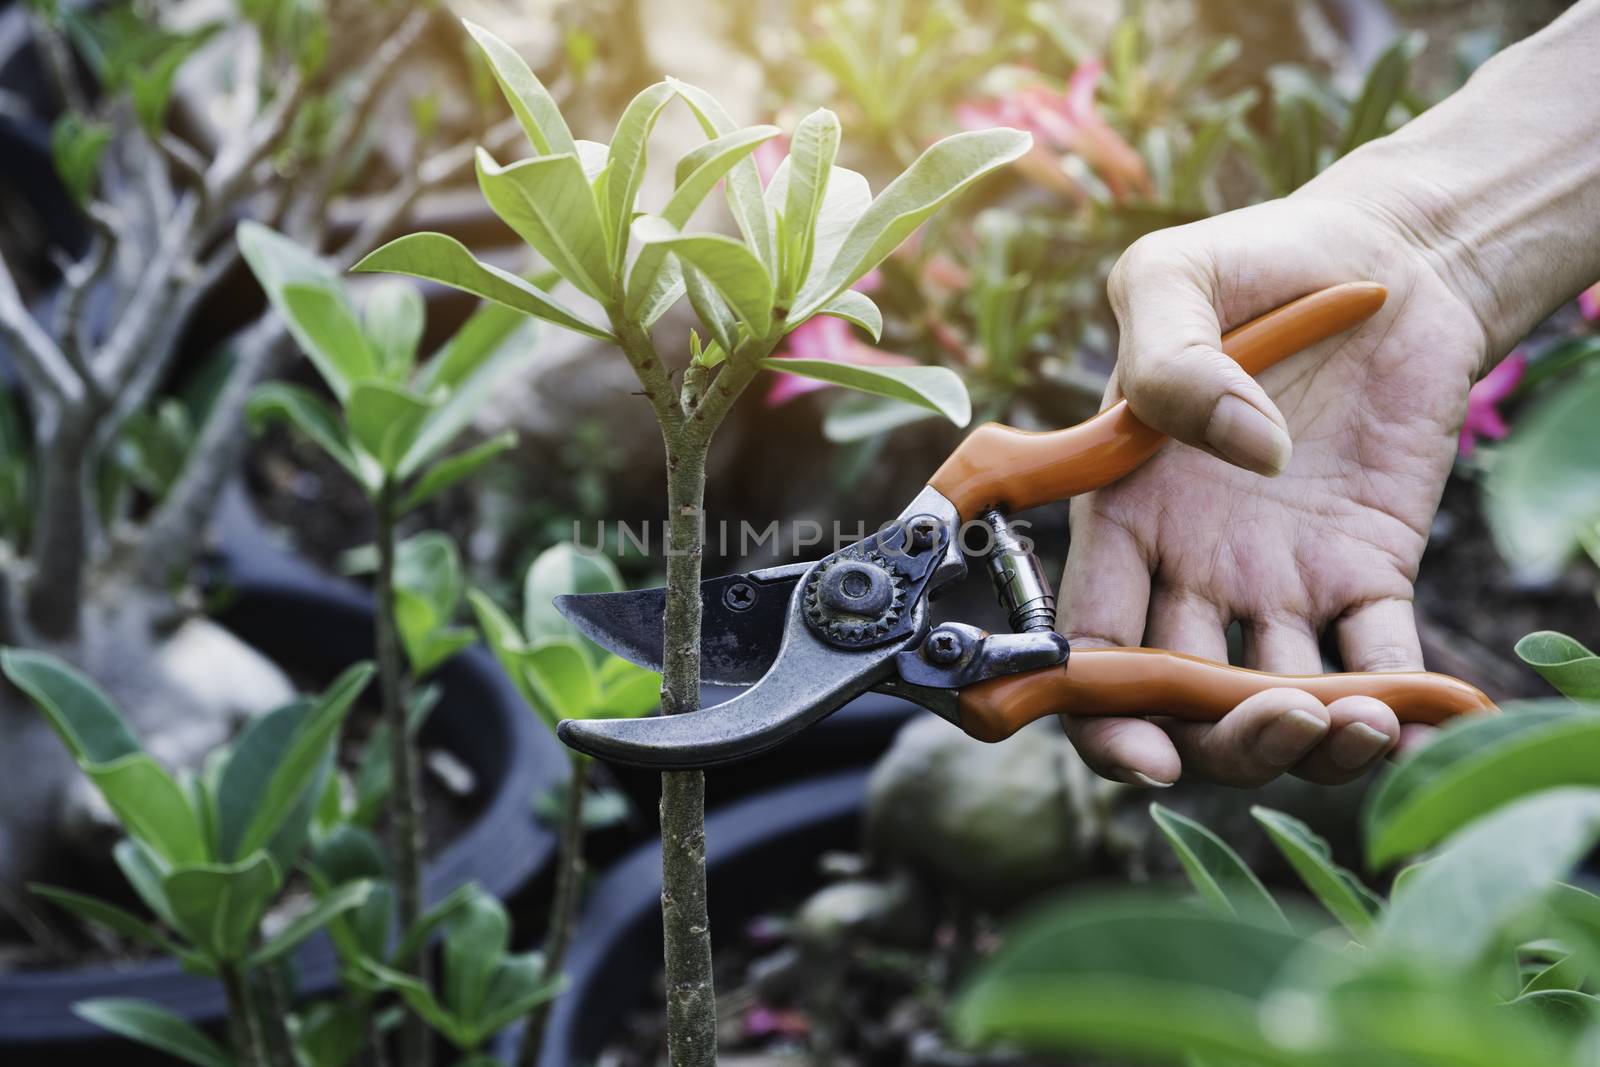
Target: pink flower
x=1483 y=416
x=825 y=337
x=1589 y=303
x=762 y=1021
x=1064 y=122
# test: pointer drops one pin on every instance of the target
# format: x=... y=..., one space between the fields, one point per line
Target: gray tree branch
x=44 y=369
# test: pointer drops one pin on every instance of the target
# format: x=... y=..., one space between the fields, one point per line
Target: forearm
x=1500 y=183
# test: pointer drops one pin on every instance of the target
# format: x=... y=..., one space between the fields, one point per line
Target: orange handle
x=1149 y=681
x=997 y=465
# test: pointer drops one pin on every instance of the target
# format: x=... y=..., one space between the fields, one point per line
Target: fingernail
x=1357 y=745
x=1130 y=777
x=1243 y=434
x=1290 y=736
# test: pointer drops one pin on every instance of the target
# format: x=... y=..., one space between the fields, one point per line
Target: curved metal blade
x=807 y=681
x=740 y=630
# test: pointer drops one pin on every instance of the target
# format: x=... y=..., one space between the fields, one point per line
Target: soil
x=61 y=941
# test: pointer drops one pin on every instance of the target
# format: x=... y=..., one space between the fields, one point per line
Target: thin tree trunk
x=563 y=906
x=243 y=1027
x=404 y=801
x=691 y=997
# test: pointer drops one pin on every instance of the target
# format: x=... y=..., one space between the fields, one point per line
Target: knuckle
x=1136 y=262
x=1388 y=657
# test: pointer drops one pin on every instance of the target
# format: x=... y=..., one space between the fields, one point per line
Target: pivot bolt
x=740 y=596
x=921 y=533
x=854 y=587
x=943 y=646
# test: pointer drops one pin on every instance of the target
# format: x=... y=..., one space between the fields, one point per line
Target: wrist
x=1497 y=189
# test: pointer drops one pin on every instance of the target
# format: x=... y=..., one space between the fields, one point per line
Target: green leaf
x=1563 y=662
x=743 y=180
x=847 y=198
x=394 y=316
x=384 y=419
x=709 y=307
x=860 y=417
x=665 y=287
x=447 y=421
x=729 y=265
x=144 y=871
x=152 y=1025
x=76 y=145
x=1542 y=488
x=626 y=689
x=345 y=898
x=936 y=388
x=1386 y=80
x=549 y=204
x=421 y=1001
x=428 y=585
x=811 y=155
x=100 y=913
x=1352 y=903
x=330 y=1033
x=452 y=469
x=252 y=761
x=429 y=921
x=561 y=677
x=1453 y=909
x=349 y=854
x=91 y=727
x=152 y=806
x=503 y=639
x=485 y=333
x=937 y=176
x=445 y=260
x=308 y=295
x=532 y=103
x=475 y=942
x=518 y=983
x=625 y=163
x=151 y=90
x=857 y=309
x=560 y=570
x=1482 y=767
x=428 y=566
x=1215 y=869
x=311 y=415
x=219 y=906
x=294 y=768
x=1565 y=973
x=699 y=171
x=1138 y=975
x=649 y=287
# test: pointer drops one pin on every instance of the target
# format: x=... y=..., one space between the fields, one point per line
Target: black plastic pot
x=758 y=850
x=318 y=626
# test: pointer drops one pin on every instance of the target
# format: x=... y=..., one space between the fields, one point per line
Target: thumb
x=1171 y=367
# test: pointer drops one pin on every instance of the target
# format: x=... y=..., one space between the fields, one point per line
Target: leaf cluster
x=803 y=241
x=208 y=854
x=391 y=421
x=1481 y=954
x=561 y=674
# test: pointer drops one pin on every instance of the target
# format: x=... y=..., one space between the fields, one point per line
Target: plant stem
x=275 y=1025
x=404 y=800
x=691 y=997
x=563 y=906
x=243 y=1027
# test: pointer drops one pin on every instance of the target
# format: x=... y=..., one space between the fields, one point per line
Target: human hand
x=1294 y=504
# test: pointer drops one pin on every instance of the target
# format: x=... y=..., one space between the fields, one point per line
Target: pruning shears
x=806 y=638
